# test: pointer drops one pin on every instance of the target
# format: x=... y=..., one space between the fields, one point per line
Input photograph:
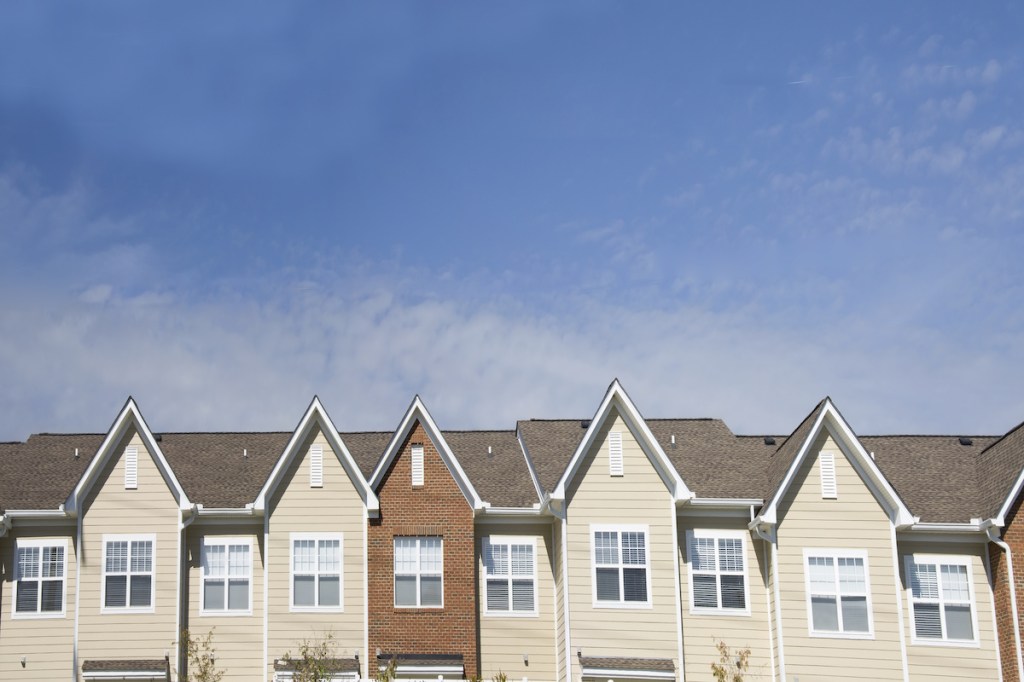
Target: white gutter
x=737 y=502
x=488 y=510
x=59 y=513
x=756 y=527
x=972 y=527
x=228 y=512
x=993 y=535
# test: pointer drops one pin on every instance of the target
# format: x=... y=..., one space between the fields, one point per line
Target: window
x=838 y=596
x=128 y=572
x=227 y=574
x=419 y=569
x=510 y=572
x=316 y=572
x=620 y=566
x=718 y=575
x=40 y=571
x=827 y=468
x=941 y=599
x=417 y=465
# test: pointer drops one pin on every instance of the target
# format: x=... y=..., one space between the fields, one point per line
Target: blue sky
x=501 y=206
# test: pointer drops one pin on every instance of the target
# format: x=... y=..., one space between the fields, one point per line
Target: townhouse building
x=608 y=548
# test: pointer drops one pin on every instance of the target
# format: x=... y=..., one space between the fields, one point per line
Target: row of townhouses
x=609 y=548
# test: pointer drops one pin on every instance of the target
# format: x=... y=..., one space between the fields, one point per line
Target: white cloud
x=990 y=74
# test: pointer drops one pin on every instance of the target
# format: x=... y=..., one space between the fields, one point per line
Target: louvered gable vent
x=827 y=464
x=615 y=453
x=316 y=466
x=131 y=467
x=417 y=465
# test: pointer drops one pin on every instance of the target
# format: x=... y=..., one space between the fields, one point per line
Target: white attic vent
x=827 y=464
x=615 y=453
x=316 y=466
x=131 y=467
x=417 y=465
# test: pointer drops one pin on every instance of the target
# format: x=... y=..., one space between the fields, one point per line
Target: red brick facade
x=1014 y=537
x=438 y=508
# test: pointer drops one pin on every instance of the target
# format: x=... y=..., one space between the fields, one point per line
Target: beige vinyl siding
x=638 y=497
x=938 y=662
x=297 y=508
x=238 y=639
x=44 y=642
x=856 y=521
x=703 y=631
x=110 y=509
x=504 y=639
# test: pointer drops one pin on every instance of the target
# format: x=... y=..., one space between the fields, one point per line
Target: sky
x=223 y=209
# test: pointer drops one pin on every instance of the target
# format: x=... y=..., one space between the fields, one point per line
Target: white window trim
x=37 y=615
x=148 y=537
x=620 y=528
x=835 y=555
x=340 y=608
x=225 y=542
x=743 y=537
x=509 y=540
x=938 y=559
x=418 y=573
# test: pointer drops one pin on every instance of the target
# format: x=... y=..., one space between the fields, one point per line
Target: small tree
x=200 y=659
x=732 y=667
x=313 y=662
x=388 y=673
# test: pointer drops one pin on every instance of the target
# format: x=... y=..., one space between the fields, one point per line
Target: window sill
x=719 y=613
x=417 y=609
x=954 y=643
x=511 y=614
x=316 y=609
x=842 y=635
x=110 y=610
x=225 y=614
x=43 y=615
x=623 y=605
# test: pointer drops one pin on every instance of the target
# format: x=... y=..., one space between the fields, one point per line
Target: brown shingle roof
x=999 y=466
x=551 y=443
x=41 y=472
x=783 y=457
x=158 y=665
x=499 y=476
x=623 y=663
x=333 y=665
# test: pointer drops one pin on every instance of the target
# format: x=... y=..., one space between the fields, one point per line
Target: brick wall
x=437 y=508
x=1014 y=536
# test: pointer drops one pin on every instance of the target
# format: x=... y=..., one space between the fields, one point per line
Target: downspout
x=993 y=535
x=770 y=539
x=565 y=596
x=678 y=590
x=183 y=576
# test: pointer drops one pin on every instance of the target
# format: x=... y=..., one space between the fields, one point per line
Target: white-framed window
x=621 y=576
x=510 y=575
x=718 y=571
x=838 y=593
x=227 y=576
x=129 y=576
x=40 y=574
x=316 y=583
x=942 y=604
x=419 y=571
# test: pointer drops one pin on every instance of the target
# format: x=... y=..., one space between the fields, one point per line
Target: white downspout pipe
x=770 y=539
x=993 y=535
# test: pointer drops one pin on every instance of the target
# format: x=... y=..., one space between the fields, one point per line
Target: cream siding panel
x=638 y=497
x=505 y=639
x=111 y=509
x=297 y=508
x=702 y=632
x=238 y=639
x=937 y=662
x=44 y=642
x=855 y=520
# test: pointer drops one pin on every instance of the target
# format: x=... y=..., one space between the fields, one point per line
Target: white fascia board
x=316 y=414
x=418 y=412
x=529 y=465
x=130 y=414
x=1000 y=519
x=617 y=397
x=738 y=502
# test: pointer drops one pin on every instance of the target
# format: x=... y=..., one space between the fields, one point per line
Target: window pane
x=522 y=559
x=142 y=556
x=954 y=583
x=702 y=554
x=608 y=584
x=958 y=622
x=522 y=595
x=705 y=591
x=213 y=594
x=634 y=584
x=405 y=555
x=405 y=590
x=855 y=614
x=238 y=560
x=304 y=556
x=606 y=548
x=430 y=587
x=496 y=560
x=53 y=597
x=497 y=595
x=53 y=562
x=851 y=576
x=430 y=555
x=823 y=611
x=28 y=562
x=330 y=590
x=822 y=575
x=633 y=551
x=238 y=595
x=304 y=590
x=213 y=560
x=926 y=621
x=732 y=592
x=142 y=590
x=730 y=554
x=923 y=581
x=330 y=556
x=116 y=591
x=117 y=557
x=28 y=595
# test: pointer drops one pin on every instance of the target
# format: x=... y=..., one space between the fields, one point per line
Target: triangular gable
x=129 y=416
x=617 y=398
x=417 y=412
x=797 y=448
x=316 y=415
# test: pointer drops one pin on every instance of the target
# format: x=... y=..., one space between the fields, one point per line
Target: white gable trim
x=863 y=464
x=1000 y=519
x=316 y=415
x=418 y=412
x=617 y=398
x=129 y=416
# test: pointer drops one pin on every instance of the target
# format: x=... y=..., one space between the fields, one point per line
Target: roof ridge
x=1001 y=438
